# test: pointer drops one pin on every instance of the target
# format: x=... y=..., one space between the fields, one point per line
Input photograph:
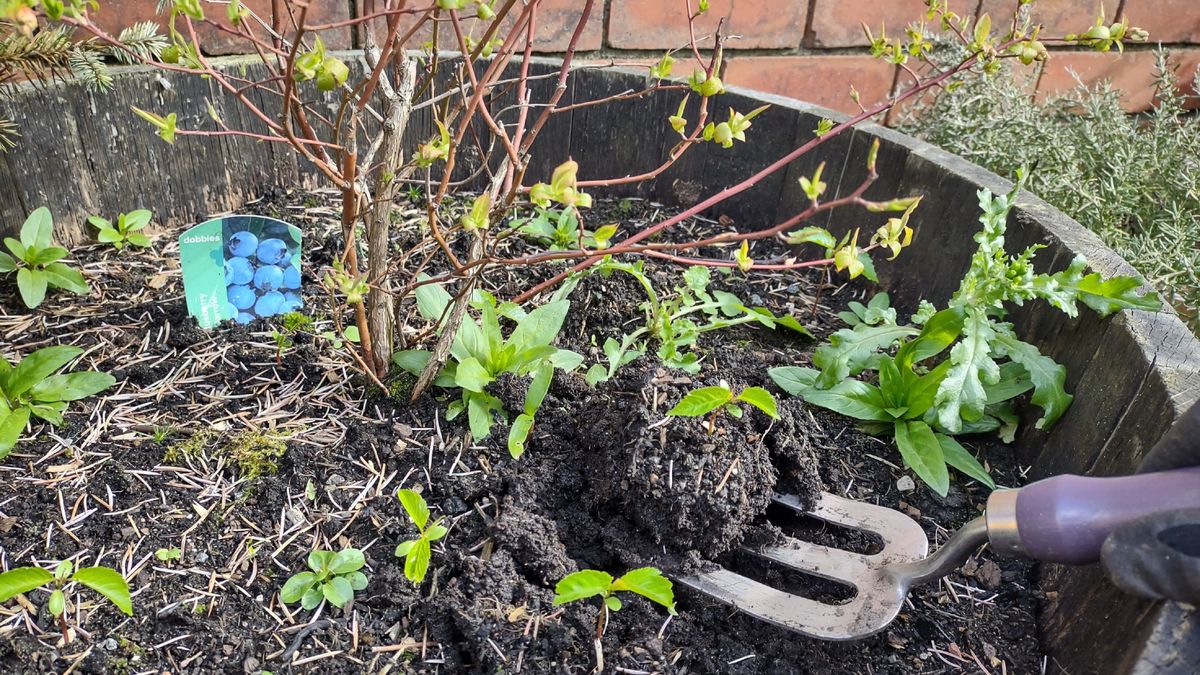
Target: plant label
x=240 y=268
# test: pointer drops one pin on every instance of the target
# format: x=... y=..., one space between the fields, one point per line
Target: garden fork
x=1063 y=519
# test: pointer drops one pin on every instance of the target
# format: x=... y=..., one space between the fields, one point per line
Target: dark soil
x=607 y=483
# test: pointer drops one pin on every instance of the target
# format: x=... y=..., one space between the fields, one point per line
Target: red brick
x=1166 y=20
x=662 y=24
x=1132 y=73
x=820 y=79
x=556 y=21
x=115 y=15
x=838 y=23
x=1056 y=17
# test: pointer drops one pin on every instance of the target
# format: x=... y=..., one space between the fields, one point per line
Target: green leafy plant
x=104 y=580
x=291 y=323
x=417 y=552
x=922 y=400
x=332 y=575
x=675 y=322
x=894 y=235
x=168 y=554
x=349 y=334
x=560 y=230
x=126 y=230
x=1129 y=178
x=31 y=388
x=480 y=353
x=647 y=582
x=712 y=400
x=36 y=261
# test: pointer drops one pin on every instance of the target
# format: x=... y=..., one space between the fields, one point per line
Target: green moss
x=254 y=453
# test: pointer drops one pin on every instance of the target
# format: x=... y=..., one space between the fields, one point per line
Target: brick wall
x=809 y=49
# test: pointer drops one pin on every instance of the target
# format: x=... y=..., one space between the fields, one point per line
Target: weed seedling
x=647 y=582
x=168 y=554
x=36 y=261
x=332 y=576
x=675 y=323
x=417 y=552
x=481 y=353
x=104 y=580
x=924 y=401
x=31 y=388
x=712 y=400
x=127 y=229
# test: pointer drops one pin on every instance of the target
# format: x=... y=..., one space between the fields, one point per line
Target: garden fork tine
x=878 y=599
x=1064 y=519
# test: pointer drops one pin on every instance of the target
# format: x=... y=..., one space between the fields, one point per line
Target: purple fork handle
x=1065 y=519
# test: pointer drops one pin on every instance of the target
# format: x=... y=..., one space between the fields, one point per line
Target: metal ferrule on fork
x=1001 y=518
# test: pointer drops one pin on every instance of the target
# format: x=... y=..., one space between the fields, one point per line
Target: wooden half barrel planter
x=1133 y=375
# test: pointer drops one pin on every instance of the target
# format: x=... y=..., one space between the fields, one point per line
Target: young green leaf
x=849 y=351
x=416 y=564
x=38 y=366
x=347 y=560
x=852 y=398
x=581 y=584
x=432 y=300
x=57 y=604
x=414 y=504
x=479 y=414
x=38 y=229
x=296 y=586
x=702 y=401
x=518 y=434
x=795 y=380
x=71 y=386
x=962 y=394
x=412 y=360
x=472 y=375
x=11 y=426
x=760 y=398
x=338 y=591
x=923 y=454
x=22 y=580
x=649 y=583
x=109 y=583
x=319 y=561
x=538 y=387
x=812 y=235
x=312 y=597
x=541 y=326
x=958 y=457
x=32 y=283
x=1046 y=376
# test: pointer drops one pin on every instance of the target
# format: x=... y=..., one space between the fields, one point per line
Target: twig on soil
x=728 y=472
x=286 y=654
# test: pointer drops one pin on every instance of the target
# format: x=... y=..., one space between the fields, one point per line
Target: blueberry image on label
x=277 y=231
x=238 y=271
x=241 y=297
x=243 y=244
x=291 y=277
x=243 y=318
x=272 y=251
x=230 y=309
x=269 y=304
x=290 y=304
x=268 y=278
